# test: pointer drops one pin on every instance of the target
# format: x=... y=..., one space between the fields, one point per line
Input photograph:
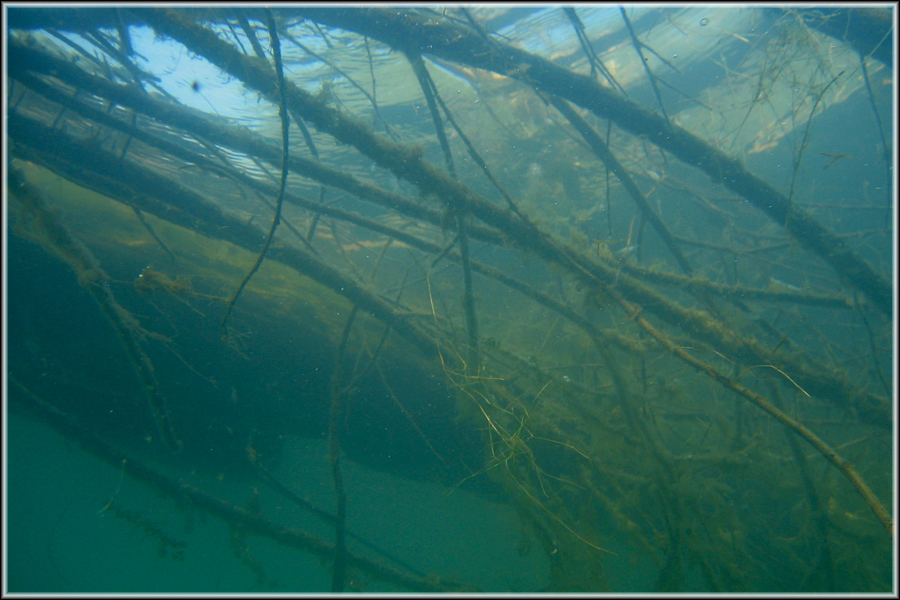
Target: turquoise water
x=62 y=540
x=564 y=376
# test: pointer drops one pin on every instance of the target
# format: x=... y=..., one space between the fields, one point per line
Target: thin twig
x=285 y=124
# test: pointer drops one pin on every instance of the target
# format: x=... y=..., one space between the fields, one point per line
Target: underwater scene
x=510 y=299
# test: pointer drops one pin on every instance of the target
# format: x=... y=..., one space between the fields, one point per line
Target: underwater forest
x=449 y=299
